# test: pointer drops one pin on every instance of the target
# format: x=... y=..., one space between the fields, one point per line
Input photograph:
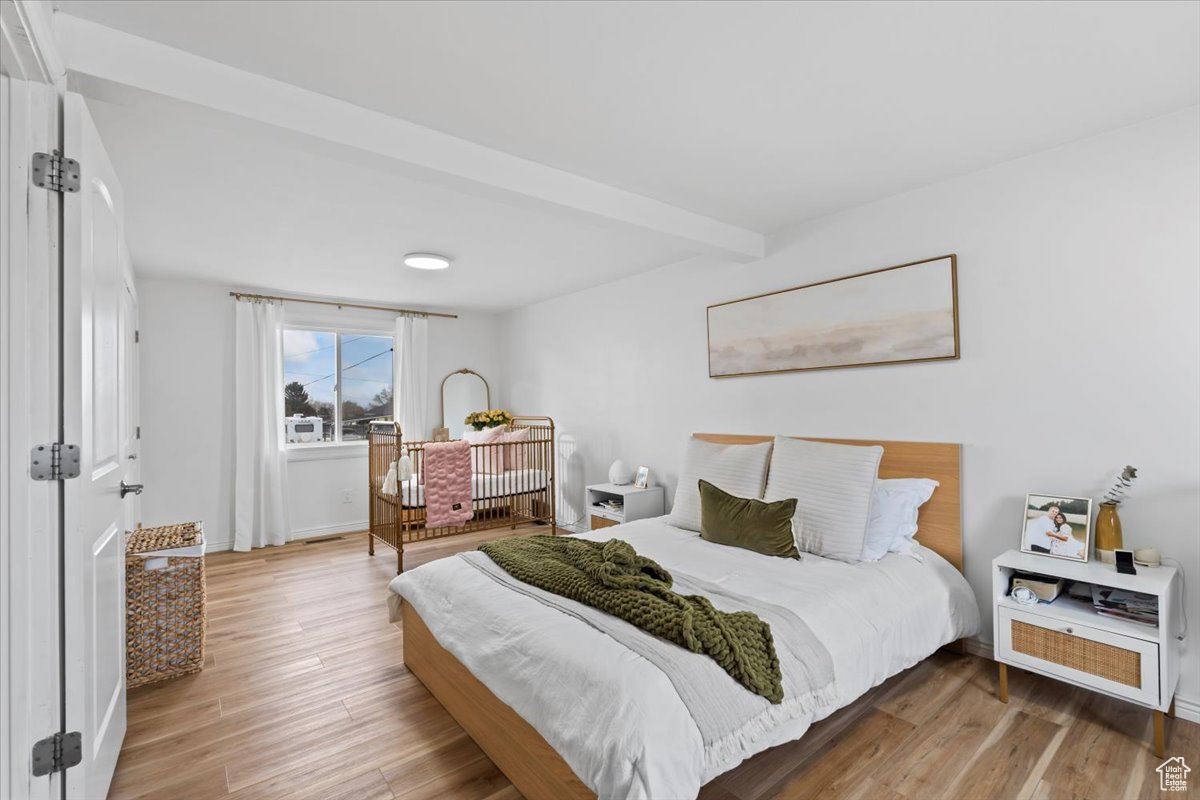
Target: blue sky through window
x=366 y=368
x=310 y=359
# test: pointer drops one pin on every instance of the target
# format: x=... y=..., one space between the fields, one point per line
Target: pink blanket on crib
x=447 y=474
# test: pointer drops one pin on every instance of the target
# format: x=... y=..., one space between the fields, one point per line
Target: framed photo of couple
x=1057 y=526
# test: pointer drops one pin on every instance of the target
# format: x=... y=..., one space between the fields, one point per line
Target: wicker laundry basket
x=165 y=616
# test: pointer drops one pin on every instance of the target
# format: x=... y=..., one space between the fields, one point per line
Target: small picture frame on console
x=643 y=478
x=1058 y=526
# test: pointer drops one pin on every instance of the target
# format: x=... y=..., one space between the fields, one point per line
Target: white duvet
x=613 y=716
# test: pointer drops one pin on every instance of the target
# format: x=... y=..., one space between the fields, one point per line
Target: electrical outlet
x=348 y=496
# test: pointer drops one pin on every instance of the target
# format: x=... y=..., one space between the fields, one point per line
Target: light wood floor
x=305 y=695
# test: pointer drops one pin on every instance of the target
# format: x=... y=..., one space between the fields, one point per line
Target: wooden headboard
x=940 y=519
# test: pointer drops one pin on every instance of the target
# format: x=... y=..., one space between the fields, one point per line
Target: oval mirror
x=463 y=391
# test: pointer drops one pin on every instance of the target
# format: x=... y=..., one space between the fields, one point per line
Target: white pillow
x=739 y=469
x=893 y=524
x=904 y=498
x=833 y=484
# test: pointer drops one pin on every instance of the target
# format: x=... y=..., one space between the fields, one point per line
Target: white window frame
x=335 y=448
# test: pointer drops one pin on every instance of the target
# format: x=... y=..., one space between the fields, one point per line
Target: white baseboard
x=330 y=530
x=215 y=546
x=978 y=647
x=1185 y=708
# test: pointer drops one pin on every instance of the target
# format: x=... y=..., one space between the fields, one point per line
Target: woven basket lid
x=145 y=540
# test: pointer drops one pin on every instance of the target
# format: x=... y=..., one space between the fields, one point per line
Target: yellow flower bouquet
x=492 y=418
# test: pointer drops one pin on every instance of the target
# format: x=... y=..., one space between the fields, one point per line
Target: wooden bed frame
x=521 y=753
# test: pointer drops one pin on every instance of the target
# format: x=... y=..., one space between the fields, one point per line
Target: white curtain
x=260 y=471
x=412 y=377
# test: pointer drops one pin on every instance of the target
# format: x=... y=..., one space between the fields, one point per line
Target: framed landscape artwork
x=887 y=316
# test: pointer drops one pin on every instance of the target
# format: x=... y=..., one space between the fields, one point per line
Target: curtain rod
x=252 y=296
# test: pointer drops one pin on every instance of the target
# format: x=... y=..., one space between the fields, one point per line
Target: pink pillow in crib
x=514 y=454
x=486 y=459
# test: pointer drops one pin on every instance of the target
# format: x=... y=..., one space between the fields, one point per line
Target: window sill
x=322 y=452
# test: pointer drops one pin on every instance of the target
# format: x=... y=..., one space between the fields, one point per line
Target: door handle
x=132 y=456
x=131 y=488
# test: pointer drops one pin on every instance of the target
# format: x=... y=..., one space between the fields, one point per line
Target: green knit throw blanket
x=613 y=578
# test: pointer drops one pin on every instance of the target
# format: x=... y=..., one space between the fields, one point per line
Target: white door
x=29 y=416
x=94 y=396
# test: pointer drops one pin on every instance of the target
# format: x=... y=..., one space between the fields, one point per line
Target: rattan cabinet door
x=1095 y=658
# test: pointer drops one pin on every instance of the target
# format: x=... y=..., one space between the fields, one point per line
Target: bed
x=500 y=497
x=510 y=669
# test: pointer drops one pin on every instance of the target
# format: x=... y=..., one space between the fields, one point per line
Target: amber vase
x=1108 y=533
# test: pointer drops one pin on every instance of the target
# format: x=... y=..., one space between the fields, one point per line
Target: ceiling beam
x=108 y=56
x=28 y=43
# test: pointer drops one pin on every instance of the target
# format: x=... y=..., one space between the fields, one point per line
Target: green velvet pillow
x=746 y=522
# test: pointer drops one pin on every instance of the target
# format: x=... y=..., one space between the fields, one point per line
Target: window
x=334 y=384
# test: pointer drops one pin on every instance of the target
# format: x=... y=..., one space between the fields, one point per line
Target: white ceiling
x=755 y=114
x=759 y=114
x=244 y=209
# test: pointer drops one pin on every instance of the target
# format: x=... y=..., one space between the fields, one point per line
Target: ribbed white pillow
x=739 y=469
x=833 y=484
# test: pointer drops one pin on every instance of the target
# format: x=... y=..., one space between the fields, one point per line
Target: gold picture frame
x=883 y=310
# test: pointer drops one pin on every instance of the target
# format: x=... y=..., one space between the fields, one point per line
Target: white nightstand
x=639 y=503
x=1067 y=640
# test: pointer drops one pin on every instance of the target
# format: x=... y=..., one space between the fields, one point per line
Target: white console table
x=1068 y=641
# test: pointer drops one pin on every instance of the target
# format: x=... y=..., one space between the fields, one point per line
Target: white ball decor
x=620 y=473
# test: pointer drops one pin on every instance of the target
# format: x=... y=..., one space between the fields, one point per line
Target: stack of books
x=615 y=506
x=1124 y=604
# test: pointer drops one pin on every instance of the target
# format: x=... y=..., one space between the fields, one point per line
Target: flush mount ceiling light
x=426 y=261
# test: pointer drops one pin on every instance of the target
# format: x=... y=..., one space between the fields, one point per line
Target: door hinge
x=52 y=171
x=137 y=336
x=54 y=462
x=57 y=753
x=137 y=432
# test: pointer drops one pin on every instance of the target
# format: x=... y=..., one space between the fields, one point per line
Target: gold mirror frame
x=487 y=390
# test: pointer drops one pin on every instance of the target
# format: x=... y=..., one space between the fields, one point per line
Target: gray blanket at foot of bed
x=725 y=713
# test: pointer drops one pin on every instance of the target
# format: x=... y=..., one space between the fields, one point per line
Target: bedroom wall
x=187 y=409
x=1079 y=281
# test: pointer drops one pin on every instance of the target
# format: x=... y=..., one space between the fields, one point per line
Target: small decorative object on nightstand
x=1109 y=645
x=1108 y=533
x=642 y=481
x=619 y=473
x=1108 y=521
x=611 y=504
